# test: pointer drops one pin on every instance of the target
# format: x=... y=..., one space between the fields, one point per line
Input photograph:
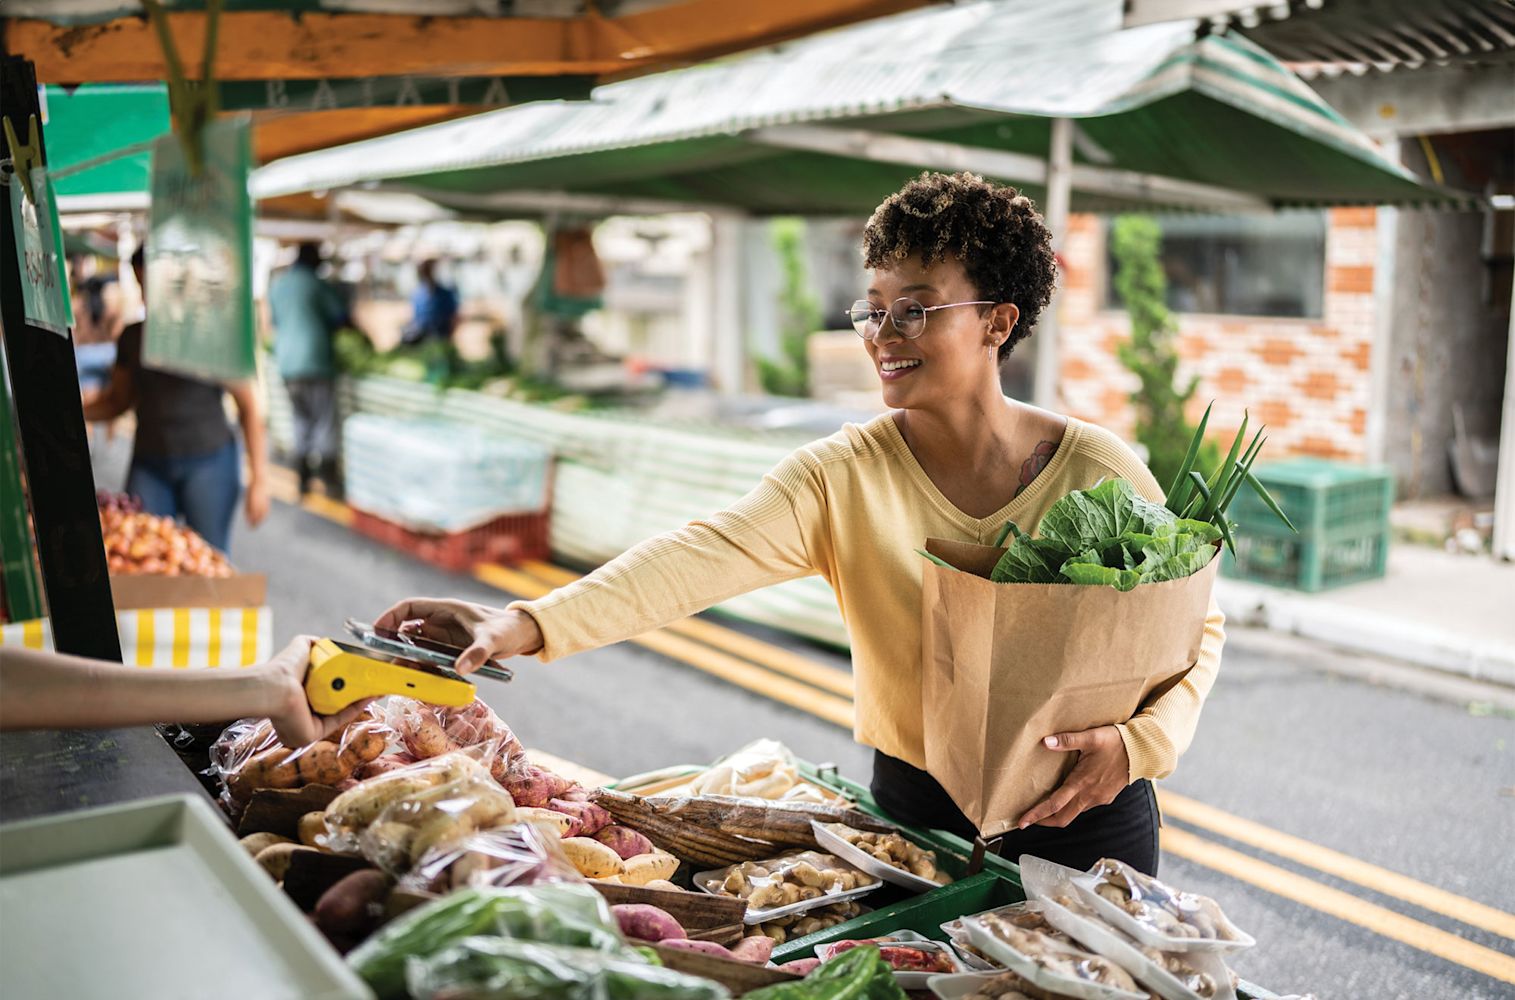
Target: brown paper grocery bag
x=1007 y=664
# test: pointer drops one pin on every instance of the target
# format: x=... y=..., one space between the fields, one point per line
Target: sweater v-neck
x=896 y=442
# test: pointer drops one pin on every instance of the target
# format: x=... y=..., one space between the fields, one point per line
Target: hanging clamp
x=24 y=155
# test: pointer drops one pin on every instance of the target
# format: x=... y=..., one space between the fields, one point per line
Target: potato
x=354 y=905
x=561 y=824
x=610 y=880
x=271 y=769
x=659 y=883
x=424 y=736
x=439 y=830
x=592 y=858
x=361 y=806
x=319 y=764
x=645 y=922
x=592 y=818
x=642 y=869
x=256 y=843
x=384 y=763
x=361 y=744
x=387 y=844
x=802 y=966
x=312 y=828
x=535 y=786
x=491 y=807
x=626 y=842
x=276 y=859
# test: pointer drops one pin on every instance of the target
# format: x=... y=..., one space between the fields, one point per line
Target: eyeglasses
x=907 y=315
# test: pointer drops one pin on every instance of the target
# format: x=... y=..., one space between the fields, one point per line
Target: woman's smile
x=891 y=369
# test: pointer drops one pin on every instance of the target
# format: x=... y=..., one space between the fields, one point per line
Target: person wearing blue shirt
x=434 y=307
x=307 y=312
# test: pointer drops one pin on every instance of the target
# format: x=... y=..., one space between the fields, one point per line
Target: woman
x=185 y=460
x=961 y=269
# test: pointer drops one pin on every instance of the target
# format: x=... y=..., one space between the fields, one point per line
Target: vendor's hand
x=257 y=502
x=1101 y=772
x=486 y=632
x=295 y=722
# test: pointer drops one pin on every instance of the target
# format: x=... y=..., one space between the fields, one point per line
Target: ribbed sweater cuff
x=1148 y=750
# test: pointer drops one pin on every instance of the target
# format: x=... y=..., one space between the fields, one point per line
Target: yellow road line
x=838 y=682
x=790 y=692
x=1339 y=904
x=1343 y=866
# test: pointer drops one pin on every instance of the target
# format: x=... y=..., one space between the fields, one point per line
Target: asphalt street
x=1363 y=834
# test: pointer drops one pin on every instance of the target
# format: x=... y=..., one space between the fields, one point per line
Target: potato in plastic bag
x=248 y=756
x=1159 y=907
x=437 y=817
x=519 y=854
x=350 y=813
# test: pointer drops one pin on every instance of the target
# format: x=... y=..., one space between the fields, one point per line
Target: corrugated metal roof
x=1002 y=60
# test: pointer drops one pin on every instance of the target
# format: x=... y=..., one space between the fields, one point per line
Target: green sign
x=39 y=250
x=199 y=258
x=399 y=92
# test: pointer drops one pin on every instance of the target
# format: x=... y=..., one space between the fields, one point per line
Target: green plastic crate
x=1341 y=512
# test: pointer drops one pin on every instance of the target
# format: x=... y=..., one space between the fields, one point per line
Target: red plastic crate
x=508 y=539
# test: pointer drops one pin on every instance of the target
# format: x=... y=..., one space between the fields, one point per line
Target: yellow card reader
x=388 y=663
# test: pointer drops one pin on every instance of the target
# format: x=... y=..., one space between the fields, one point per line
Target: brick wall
x=1306 y=379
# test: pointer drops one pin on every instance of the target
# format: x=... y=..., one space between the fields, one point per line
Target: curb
x=1490 y=661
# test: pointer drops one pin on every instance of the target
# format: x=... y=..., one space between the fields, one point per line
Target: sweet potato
x=802 y=966
x=574 y=793
x=644 y=869
x=592 y=818
x=354 y=905
x=561 y=824
x=424 y=736
x=703 y=947
x=659 y=883
x=361 y=806
x=320 y=764
x=535 y=786
x=625 y=841
x=385 y=763
x=257 y=843
x=755 y=948
x=592 y=858
x=645 y=922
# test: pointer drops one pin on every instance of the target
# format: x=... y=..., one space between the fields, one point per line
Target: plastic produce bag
x=1049 y=962
x=789 y=884
x=763 y=769
x=428 y=731
x=519 y=854
x=439 y=817
x=350 y=813
x=248 y=756
x=1155 y=913
x=486 y=968
x=572 y=915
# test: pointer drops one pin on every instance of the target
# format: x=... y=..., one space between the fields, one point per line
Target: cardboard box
x=244 y=590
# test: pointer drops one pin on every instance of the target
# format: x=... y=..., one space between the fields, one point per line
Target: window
x=1244 y=265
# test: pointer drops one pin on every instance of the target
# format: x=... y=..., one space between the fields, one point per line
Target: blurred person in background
x=307 y=312
x=185 y=456
x=98 y=321
x=434 y=308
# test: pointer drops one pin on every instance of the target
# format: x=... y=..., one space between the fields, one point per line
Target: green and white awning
x=832 y=123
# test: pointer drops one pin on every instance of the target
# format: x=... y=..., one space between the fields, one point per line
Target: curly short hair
x=997 y=233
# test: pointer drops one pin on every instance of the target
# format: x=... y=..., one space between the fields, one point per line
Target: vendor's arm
x=250 y=414
x=767 y=537
x=41 y=689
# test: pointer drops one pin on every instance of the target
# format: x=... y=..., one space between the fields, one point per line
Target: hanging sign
x=199 y=257
x=39 y=251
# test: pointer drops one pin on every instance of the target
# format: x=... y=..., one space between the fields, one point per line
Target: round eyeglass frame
x=868 y=321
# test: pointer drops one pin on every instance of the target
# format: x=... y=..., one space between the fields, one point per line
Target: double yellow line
x=826 y=692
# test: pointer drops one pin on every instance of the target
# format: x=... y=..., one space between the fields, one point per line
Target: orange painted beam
x=276 y=135
x=259 y=45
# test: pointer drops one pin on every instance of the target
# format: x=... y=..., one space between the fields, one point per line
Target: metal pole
x=1055 y=211
x=1504 y=489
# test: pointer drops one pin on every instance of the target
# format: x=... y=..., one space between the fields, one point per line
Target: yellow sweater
x=855 y=507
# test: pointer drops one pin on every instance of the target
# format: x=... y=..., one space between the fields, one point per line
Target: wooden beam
x=276 y=45
x=276 y=135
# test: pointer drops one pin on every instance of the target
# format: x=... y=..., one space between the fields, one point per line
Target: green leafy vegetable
x=573 y=915
x=491 y=968
x=858 y=974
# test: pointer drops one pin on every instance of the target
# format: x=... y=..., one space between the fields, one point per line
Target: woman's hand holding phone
x=483 y=632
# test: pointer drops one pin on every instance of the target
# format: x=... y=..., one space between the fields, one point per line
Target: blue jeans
x=202 y=489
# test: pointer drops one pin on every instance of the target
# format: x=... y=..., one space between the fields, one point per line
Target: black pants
x=1125 y=829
